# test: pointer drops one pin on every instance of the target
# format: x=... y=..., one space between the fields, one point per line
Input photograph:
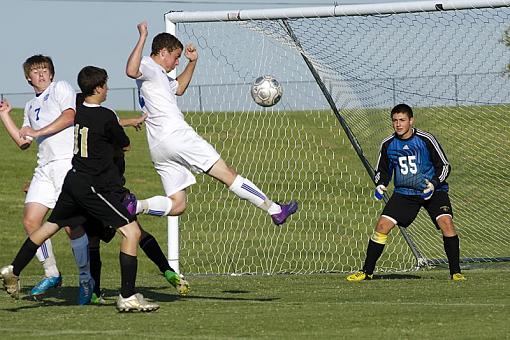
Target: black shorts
x=81 y=199
x=95 y=228
x=404 y=208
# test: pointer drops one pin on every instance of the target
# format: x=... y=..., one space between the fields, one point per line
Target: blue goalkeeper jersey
x=412 y=161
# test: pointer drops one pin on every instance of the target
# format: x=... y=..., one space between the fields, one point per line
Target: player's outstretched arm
x=136 y=122
x=65 y=120
x=10 y=126
x=184 y=78
x=135 y=58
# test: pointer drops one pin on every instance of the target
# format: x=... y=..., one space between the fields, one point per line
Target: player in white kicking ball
x=176 y=149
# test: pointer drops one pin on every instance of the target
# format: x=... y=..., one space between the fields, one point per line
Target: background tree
x=506 y=41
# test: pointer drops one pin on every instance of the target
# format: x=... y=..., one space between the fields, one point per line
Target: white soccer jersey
x=157 y=97
x=43 y=110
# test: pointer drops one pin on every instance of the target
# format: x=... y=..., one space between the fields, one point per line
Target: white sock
x=47 y=258
x=246 y=190
x=274 y=209
x=156 y=206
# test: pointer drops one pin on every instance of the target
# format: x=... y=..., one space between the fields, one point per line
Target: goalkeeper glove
x=379 y=192
x=429 y=190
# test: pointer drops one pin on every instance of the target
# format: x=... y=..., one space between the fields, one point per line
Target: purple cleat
x=287 y=210
x=130 y=203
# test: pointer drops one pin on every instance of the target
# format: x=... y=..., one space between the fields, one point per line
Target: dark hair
x=165 y=40
x=80 y=98
x=38 y=60
x=402 y=108
x=91 y=77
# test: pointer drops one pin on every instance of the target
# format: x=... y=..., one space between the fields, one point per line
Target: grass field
x=422 y=305
x=327 y=235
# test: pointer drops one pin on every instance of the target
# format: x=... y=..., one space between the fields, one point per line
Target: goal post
x=342 y=68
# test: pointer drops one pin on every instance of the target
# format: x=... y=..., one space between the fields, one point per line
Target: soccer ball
x=266 y=91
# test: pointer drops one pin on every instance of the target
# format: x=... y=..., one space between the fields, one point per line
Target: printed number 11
x=83 y=133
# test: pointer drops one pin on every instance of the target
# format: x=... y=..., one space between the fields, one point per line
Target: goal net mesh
x=448 y=65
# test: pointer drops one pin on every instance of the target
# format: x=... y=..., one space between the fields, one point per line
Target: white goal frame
x=173 y=18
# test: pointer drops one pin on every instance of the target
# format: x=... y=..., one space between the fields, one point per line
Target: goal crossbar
x=331 y=11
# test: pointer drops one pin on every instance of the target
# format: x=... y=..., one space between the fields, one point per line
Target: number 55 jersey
x=412 y=161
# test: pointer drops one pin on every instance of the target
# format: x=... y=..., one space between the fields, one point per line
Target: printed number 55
x=407 y=164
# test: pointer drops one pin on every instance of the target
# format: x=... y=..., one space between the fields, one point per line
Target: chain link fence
x=305 y=94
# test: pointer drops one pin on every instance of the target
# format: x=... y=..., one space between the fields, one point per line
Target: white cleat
x=135 y=302
x=11 y=281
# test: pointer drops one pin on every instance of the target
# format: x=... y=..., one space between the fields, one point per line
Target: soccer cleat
x=130 y=203
x=458 y=277
x=178 y=282
x=86 y=291
x=45 y=284
x=135 y=302
x=11 y=281
x=287 y=210
x=97 y=300
x=359 y=276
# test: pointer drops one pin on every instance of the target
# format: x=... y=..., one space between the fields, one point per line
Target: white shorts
x=178 y=155
x=47 y=182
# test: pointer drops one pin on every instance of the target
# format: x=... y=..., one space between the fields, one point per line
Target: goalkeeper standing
x=419 y=166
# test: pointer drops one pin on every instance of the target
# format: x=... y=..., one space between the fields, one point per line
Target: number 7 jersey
x=41 y=111
x=412 y=161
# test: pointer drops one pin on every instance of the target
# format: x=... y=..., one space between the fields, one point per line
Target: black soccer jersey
x=97 y=134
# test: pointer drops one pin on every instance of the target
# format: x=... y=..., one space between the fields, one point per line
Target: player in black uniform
x=148 y=243
x=92 y=187
x=419 y=166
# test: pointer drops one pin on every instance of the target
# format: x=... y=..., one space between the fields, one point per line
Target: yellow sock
x=378 y=237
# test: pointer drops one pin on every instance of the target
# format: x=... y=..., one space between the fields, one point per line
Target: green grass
x=424 y=305
x=221 y=234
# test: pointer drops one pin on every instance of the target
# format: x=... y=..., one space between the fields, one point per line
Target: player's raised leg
x=245 y=189
x=157 y=206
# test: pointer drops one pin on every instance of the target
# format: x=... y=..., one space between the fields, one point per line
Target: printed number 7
x=37 y=113
x=407 y=164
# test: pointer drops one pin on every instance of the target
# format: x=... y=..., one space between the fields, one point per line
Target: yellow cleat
x=359 y=276
x=458 y=277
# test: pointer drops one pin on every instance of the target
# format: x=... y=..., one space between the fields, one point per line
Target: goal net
x=342 y=69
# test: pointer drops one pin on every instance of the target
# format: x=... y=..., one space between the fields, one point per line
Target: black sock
x=25 y=254
x=153 y=251
x=95 y=268
x=128 y=268
x=451 y=247
x=374 y=251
